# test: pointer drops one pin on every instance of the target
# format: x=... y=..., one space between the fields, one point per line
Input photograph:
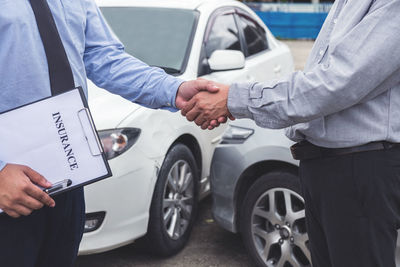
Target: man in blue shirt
x=51 y=235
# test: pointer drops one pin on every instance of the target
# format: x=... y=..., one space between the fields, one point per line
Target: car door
x=263 y=61
x=222 y=33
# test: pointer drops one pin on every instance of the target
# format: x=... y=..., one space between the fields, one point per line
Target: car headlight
x=236 y=135
x=93 y=221
x=117 y=141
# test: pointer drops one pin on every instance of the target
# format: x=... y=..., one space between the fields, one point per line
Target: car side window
x=255 y=35
x=224 y=35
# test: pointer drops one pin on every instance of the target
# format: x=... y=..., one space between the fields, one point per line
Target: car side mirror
x=226 y=60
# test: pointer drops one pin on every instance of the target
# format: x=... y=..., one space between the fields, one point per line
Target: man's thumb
x=208 y=86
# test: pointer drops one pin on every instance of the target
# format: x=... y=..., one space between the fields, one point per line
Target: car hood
x=108 y=110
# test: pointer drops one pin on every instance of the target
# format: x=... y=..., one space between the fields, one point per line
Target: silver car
x=256 y=192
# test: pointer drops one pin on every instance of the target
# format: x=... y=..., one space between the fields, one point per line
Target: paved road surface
x=209 y=246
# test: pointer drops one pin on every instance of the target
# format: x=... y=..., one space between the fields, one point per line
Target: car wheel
x=174 y=205
x=273 y=222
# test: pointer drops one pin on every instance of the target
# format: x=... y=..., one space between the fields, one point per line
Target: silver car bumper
x=227 y=166
x=230 y=161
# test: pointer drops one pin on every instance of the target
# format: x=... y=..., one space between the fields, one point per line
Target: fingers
x=205 y=125
x=222 y=119
x=213 y=124
x=192 y=114
x=32 y=204
x=189 y=106
x=21 y=210
x=207 y=110
x=200 y=120
x=12 y=213
x=205 y=85
x=35 y=177
x=39 y=195
x=18 y=193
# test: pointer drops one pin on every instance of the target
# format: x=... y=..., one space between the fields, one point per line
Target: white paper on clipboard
x=57 y=138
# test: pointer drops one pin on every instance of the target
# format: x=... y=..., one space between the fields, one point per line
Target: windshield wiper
x=169 y=70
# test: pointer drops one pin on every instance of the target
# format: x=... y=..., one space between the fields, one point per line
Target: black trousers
x=353 y=208
x=46 y=238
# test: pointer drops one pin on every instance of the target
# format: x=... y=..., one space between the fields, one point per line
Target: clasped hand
x=207 y=107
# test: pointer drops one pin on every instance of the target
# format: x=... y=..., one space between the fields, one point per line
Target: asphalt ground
x=209 y=246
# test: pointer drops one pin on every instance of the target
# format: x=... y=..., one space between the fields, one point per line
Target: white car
x=161 y=162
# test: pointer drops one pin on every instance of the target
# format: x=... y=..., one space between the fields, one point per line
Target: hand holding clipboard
x=62 y=143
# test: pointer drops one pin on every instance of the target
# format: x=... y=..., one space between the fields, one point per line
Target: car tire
x=272 y=221
x=162 y=237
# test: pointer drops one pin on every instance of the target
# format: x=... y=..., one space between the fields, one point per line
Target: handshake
x=204 y=102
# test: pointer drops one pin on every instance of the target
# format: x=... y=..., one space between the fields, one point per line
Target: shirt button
x=321 y=52
x=335 y=21
x=168 y=104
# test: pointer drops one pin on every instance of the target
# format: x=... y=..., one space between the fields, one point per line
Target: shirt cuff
x=171 y=85
x=238 y=99
x=2 y=165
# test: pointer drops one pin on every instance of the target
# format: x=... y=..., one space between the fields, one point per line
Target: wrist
x=2 y=165
x=238 y=100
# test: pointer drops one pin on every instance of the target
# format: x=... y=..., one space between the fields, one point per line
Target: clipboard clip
x=58 y=186
x=89 y=130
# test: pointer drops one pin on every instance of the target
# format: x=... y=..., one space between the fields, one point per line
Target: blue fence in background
x=293 y=25
x=293 y=21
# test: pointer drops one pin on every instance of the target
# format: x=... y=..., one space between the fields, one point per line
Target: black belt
x=306 y=150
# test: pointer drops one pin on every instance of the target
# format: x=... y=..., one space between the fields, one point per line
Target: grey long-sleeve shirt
x=349 y=92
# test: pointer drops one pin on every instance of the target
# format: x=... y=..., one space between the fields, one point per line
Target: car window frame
x=190 y=44
x=240 y=12
x=228 y=10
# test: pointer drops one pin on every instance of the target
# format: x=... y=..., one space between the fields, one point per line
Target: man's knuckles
x=25 y=185
x=25 y=211
x=12 y=214
x=17 y=198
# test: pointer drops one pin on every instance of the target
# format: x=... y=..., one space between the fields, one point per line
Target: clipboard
x=56 y=137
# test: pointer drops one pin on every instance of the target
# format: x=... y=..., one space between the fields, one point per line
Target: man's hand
x=18 y=193
x=190 y=88
x=208 y=110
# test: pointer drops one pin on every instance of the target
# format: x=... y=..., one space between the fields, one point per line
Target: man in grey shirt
x=344 y=110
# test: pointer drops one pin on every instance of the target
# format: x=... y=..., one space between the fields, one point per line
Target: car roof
x=185 y=4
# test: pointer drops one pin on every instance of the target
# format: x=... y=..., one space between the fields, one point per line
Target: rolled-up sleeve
x=109 y=67
x=359 y=67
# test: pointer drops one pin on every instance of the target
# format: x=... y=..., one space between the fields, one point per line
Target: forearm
x=109 y=67
x=134 y=80
x=357 y=68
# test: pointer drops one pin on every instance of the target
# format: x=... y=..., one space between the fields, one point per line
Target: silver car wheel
x=178 y=199
x=278 y=229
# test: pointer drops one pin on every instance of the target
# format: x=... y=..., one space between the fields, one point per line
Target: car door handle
x=278 y=69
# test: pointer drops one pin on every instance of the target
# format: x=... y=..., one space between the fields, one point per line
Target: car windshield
x=158 y=36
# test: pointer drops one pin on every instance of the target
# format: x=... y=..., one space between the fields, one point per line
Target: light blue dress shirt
x=92 y=49
x=349 y=92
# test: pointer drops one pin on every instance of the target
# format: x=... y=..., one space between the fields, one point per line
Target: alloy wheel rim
x=178 y=199
x=278 y=229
